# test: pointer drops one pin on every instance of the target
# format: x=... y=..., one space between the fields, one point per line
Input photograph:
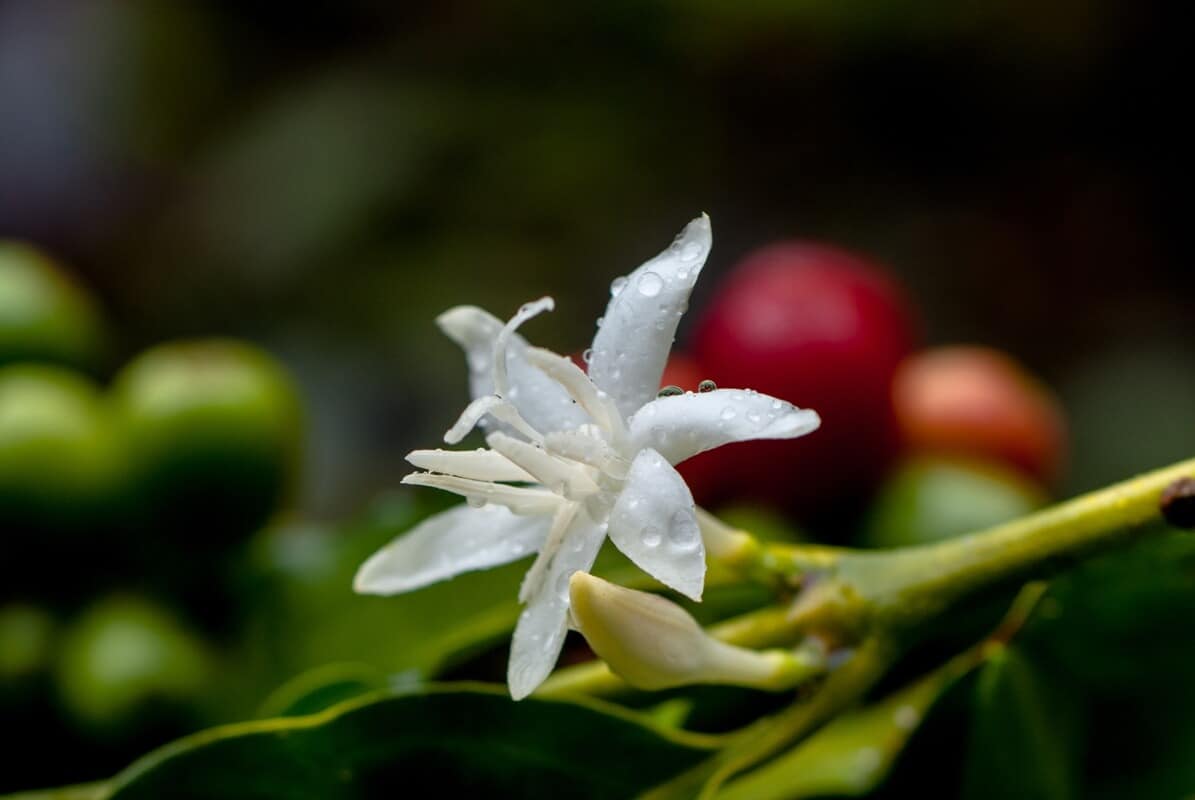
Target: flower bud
x=652 y=643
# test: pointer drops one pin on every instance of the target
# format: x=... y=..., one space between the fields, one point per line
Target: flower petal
x=683 y=425
x=654 y=522
x=632 y=343
x=540 y=633
x=539 y=399
x=459 y=540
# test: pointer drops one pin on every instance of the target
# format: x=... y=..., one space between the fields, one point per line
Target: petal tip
x=466 y=324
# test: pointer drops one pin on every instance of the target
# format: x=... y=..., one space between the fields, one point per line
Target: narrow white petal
x=565 y=479
x=683 y=425
x=654 y=522
x=632 y=344
x=481 y=465
x=518 y=499
x=540 y=633
x=459 y=540
x=540 y=400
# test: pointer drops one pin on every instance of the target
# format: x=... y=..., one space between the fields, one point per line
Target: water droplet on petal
x=690 y=251
x=755 y=417
x=587 y=356
x=651 y=536
x=475 y=501
x=650 y=284
x=707 y=386
x=728 y=413
x=562 y=585
x=683 y=534
x=616 y=286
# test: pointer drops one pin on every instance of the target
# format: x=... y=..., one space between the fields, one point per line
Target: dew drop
x=776 y=405
x=670 y=391
x=707 y=386
x=600 y=321
x=755 y=417
x=728 y=413
x=616 y=286
x=475 y=501
x=651 y=536
x=562 y=585
x=683 y=534
x=690 y=251
x=650 y=284
x=587 y=356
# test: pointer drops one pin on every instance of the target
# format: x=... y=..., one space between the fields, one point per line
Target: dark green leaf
x=852 y=754
x=1024 y=733
x=448 y=740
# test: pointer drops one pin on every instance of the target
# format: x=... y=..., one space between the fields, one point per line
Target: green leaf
x=321 y=688
x=852 y=754
x=83 y=791
x=1024 y=733
x=1120 y=629
x=452 y=740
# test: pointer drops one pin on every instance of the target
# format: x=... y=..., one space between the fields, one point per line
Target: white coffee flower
x=574 y=457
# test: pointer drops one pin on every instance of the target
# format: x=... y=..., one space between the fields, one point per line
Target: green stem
x=771 y=734
x=907 y=586
x=913 y=584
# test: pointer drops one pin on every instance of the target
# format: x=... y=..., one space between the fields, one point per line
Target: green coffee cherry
x=213 y=430
x=123 y=657
x=927 y=499
x=26 y=642
x=60 y=461
x=45 y=316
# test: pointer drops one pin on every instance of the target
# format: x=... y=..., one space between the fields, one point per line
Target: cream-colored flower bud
x=652 y=643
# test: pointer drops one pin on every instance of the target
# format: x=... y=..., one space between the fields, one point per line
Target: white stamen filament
x=588 y=450
x=579 y=387
x=496 y=407
x=518 y=499
x=535 y=575
x=481 y=465
x=502 y=340
x=559 y=476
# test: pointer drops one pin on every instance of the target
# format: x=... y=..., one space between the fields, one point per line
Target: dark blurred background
x=324 y=179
